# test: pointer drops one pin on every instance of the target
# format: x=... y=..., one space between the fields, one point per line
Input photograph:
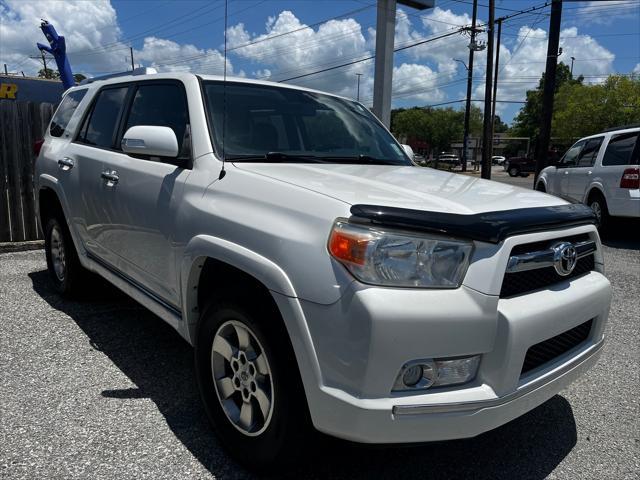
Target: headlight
x=399 y=259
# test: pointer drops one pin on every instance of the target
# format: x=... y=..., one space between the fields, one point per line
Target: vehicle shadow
x=623 y=233
x=159 y=363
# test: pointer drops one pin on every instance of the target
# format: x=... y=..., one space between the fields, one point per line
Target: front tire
x=250 y=385
x=63 y=264
x=514 y=171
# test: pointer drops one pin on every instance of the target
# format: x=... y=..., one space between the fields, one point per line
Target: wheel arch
x=211 y=262
x=594 y=189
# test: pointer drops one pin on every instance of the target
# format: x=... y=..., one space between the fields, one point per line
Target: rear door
x=92 y=147
x=582 y=174
x=621 y=153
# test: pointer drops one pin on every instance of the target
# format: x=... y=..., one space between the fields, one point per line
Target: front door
x=582 y=173
x=143 y=204
x=560 y=184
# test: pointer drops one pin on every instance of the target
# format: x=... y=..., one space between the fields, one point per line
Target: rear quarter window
x=622 y=150
x=65 y=111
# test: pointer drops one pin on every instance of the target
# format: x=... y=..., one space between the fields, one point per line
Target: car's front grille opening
x=524 y=282
x=520 y=283
x=544 y=352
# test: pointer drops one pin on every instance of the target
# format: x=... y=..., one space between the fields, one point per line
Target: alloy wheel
x=597 y=210
x=242 y=378
x=58 y=255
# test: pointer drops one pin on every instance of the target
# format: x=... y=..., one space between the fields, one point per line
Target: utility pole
x=573 y=59
x=132 y=65
x=5 y=70
x=487 y=141
x=542 y=149
x=467 y=109
x=44 y=62
x=358 y=90
x=495 y=81
x=383 y=71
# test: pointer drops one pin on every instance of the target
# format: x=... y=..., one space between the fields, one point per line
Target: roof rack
x=135 y=71
x=622 y=127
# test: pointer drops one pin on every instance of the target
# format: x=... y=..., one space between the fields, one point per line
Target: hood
x=417 y=188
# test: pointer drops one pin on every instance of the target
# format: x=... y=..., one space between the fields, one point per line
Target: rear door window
x=100 y=125
x=162 y=105
x=622 y=150
x=589 y=153
x=65 y=111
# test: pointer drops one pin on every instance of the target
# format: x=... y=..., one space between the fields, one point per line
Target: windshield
x=269 y=123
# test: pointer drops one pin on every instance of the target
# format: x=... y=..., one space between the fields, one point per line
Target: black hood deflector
x=490 y=227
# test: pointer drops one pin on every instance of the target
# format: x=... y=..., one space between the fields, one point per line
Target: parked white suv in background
x=601 y=171
x=324 y=280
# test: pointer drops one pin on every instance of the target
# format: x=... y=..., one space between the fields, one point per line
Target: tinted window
x=262 y=119
x=590 y=152
x=620 y=150
x=65 y=112
x=100 y=125
x=571 y=157
x=162 y=105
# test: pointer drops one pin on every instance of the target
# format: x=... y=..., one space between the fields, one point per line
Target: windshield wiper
x=274 y=157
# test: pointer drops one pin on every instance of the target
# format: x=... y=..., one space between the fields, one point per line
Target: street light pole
x=467 y=109
x=358 y=89
x=573 y=59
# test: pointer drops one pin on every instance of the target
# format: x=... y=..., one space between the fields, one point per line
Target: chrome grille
x=531 y=266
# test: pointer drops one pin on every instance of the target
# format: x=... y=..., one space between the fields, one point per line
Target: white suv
x=601 y=171
x=324 y=280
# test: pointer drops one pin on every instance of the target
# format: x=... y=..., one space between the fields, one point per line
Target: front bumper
x=362 y=342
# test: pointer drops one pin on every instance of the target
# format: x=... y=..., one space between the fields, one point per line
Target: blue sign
x=30 y=89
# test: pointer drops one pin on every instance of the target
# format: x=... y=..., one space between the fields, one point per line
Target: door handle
x=589 y=172
x=65 y=163
x=566 y=173
x=111 y=177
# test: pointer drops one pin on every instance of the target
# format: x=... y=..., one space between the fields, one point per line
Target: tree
x=48 y=73
x=527 y=121
x=582 y=110
x=55 y=75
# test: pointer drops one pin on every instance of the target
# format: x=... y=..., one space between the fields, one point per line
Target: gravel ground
x=101 y=388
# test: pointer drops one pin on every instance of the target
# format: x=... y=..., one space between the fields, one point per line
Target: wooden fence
x=21 y=124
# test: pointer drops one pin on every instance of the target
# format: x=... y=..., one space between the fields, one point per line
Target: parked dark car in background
x=520 y=166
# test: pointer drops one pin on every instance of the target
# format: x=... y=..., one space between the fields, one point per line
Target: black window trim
x=132 y=87
x=635 y=154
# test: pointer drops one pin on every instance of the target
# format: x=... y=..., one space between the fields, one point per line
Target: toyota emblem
x=565 y=258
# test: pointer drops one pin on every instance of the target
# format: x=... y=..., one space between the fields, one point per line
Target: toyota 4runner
x=322 y=278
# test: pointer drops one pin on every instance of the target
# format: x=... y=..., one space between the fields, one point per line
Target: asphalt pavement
x=101 y=388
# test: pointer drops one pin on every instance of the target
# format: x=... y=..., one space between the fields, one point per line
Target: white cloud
x=304 y=51
x=604 y=13
x=167 y=55
x=85 y=25
x=636 y=69
x=94 y=40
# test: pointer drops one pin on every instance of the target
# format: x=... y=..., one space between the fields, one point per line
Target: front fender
x=202 y=247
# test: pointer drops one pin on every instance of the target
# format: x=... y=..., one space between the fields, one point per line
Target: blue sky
x=604 y=38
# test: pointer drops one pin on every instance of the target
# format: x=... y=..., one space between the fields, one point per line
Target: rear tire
x=63 y=264
x=514 y=171
x=598 y=204
x=257 y=404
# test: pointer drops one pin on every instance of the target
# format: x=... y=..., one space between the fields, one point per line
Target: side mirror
x=150 y=140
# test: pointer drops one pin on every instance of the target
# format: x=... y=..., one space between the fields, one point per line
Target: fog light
x=422 y=374
x=412 y=375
